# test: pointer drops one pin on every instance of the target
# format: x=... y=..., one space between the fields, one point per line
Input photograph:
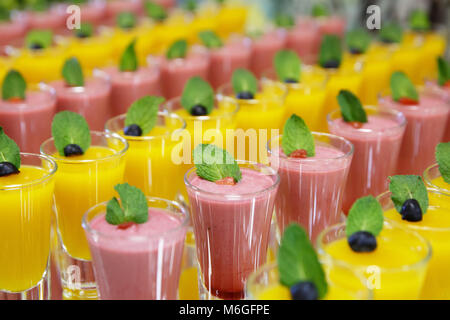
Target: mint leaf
x=402 y=87
x=197 y=92
x=85 y=31
x=319 y=10
x=177 y=50
x=444 y=71
x=70 y=128
x=155 y=11
x=391 y=33
x=298 y=261
x=144 y=113
x=297 y=136
x=191 y=5
x=210 y=39
x=5 y=14
x=39 y=39
x=418 y=21
x=358 y=40
x=9 y=150
x=129 y=60
x=287 y=65
x=330 y=51
x=244 y=81
x=255 y=34
x=134 y=206
x=39 y=5
x=285 y=21
x=14 y=86
x=408 y=187
x=366 y=214
x=213 y=163
x=443 y=160
x=72 y=73
x=126 y=20
x=351 y=108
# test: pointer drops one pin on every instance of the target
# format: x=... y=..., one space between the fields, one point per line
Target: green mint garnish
x=443 y=160
x=298 y=261
x=391 y=33
x=297 y=136
x=144 y=113
x=39 y=5
x=220 y=1
x=320 y=10
x=134 y=206
x=70 y=128
x=408 y=187
x=177 y=50
x=358 y=40
x=285 y=21
x=14 y=86
x=155 y=11
x=419 y=21
x=351 y=108
x=288 y=66
x=244 y=81
x=85 y=31
x=402 y=87
x=126 y=20
x=214 y=164
x=444 y=71
x=197 y=92
x=39 y=39
x=9 y=150
x=330 y=51
x=191 y=5
x=129 y=60
x=72 y=73
x=366 y=214
x=210 y=39
x=5 y=14
x=255 y=34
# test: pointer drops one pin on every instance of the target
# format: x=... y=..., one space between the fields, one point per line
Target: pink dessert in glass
x=444 y=93
x=332 y=25
x=377 y=144
x=13 y=30
x=114 y=7
x=54 y=18
x=426 y=122
x=304 y=38
x=166 y=3
x=138 y=261
x=264 y=49
x=92 y=100
x=232 y=226
x=311 y=189
x=93 y=11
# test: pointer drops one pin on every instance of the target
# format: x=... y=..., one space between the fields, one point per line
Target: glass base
x=205 y=294
x=39 y=292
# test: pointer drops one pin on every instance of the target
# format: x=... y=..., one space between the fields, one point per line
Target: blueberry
x=245 y=95
x=133 y=130
x=387 y=41
x=331 y=64
x=362 y=241
x=7 y=168
x=73 y=150
x=304 y=290
x=198 y=110
x=411 y=211
x=36 y=46
x=355 y=51
x=290 y=80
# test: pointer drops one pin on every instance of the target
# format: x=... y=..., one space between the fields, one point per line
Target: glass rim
x=428 y=180
x=274 y=98
x=96 y=74
x=421 y=89
x=116 y=154
x=184 y=221
x=163 y=113
x=269 y=75
x=39 y=87
x=43 y=179
x=231 y=196
x=316 y=134
x=416 y=265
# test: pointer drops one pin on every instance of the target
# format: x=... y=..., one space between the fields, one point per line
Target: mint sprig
x=210 y=39
x=70 y=128
x=297 y=136
x=177 y=50
x=134 y=206
x=214 y=164
x=197 y=92
x=9 y=150
x=86 y=30
x=243 y=80
x=155 y=11
x=419 y=21
x=288 y=66
x=39 y=39
x=366 y=214
x=5 y=13
x=402 y=87
x=129 y=60
x=319 y=10
x=351 y=108
x=285 y=21
x=144 y=113
x=14 y=86
x=126 y=20
x=298 y=261
x=72 y=73
x=443 y=160
x=330 y=51
x=404 y=187
x=358 y=40
x=191 y=5
x=443 y=71
x=391 y=33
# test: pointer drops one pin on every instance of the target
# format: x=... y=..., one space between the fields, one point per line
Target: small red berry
x=300 y=153
x=356 y=124
x=407 y=101
x=228 y=181
x=447 y=84
x=15 y=99
x=126 y=225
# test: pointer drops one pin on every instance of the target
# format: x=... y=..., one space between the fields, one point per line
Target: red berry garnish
x=299 y=153
x=15 y=99
x=447 y=84
x=125 y=225
x=228 y=181
x=356 y=124
x=407 y=101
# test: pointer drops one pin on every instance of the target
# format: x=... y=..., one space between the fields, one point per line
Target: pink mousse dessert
x=264 y=49
x=335 y=25
x=311 y=189
x=377 y=144
x=54 y=18
x=232 y=226
x=93 y=11
x=304 y=38
x=444 y=93
x=13 y=29
x=426 y=123
x=139 y=261
x=166 y=3
x=114 y=7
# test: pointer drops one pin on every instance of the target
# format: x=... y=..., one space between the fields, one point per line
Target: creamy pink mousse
x=444 y=93
x=141 y=262
x=264 y=50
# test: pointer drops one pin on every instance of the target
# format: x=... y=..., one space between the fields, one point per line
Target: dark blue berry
x=245 y=95
x=199 y=110
x=387 y=41
x=73 y=150
x=304 y=290
x=36 y=46
x=133 y=130
x=411 y=211
x=355 y=51
x=7 y=168
x=331 y=64
x=362 y=241
x=82 y=35
x=290 y=80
